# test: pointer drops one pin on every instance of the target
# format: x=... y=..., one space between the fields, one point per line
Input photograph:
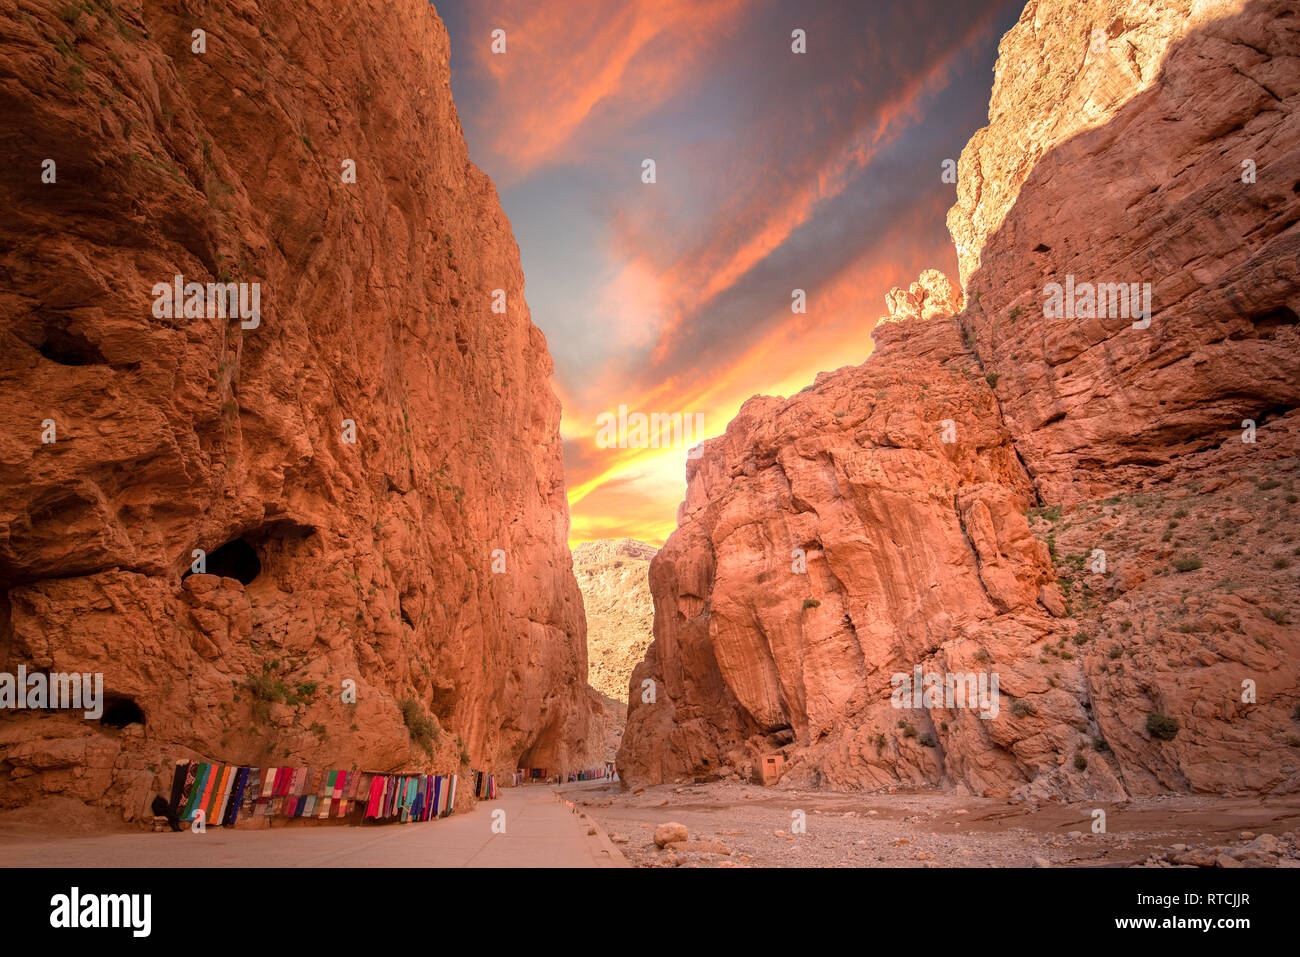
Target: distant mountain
x=614 y=576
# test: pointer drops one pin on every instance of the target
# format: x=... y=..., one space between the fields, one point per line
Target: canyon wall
x=372 y=467
x=1100 y=512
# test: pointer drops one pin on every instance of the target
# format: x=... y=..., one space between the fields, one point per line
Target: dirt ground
x=732 y=825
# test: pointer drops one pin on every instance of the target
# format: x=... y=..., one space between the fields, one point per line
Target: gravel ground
x=737 y=825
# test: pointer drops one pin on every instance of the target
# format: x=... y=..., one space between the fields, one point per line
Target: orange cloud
x=635 y=492
x=562 y=64
x=705 y=272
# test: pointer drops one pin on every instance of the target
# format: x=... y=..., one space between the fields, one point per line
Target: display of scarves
x=196 y=791
x=212 y=799
x=252 y=788
x=372 y=805
x=227 y=791
x=178 y=785
x=236 y=798
x=191 y=770
x=222 y=792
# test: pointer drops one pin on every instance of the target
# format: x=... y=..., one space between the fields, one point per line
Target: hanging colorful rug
x=218 y=794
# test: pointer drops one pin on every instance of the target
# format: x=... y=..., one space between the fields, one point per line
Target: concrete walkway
x=541 y=830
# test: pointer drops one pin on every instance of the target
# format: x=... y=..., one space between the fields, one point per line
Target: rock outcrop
x=371 y=464
x=1097 y=510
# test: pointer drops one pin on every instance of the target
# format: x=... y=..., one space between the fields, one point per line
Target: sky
x=774 y=170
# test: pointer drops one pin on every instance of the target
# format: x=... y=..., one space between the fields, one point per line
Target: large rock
x=917 y=551
x=670 y=833
x=426 y=561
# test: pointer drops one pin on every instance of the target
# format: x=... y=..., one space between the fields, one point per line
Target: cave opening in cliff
x=119 y=711
x=1267 y=325
x=68 y=347
x=236 y=559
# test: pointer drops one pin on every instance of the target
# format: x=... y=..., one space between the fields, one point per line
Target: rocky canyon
x=1096 y=504
x=239 y=521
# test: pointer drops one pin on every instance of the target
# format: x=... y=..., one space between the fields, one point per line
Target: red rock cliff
x=369 y=560
x=1142 y=618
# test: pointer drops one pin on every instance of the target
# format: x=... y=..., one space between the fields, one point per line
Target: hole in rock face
x=1042 y=248
x=120 y=711
x=236 y=559
x=1267 y=324
x=274 y=546
x=405 y=617
x=68 y=347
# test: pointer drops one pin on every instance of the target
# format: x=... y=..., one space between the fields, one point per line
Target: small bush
x=1080 y=762
x=421 y=728
x=1163 y=727
x=1277 y=616
x=1020 y=707
x=909 y=731
x=1267 y=485
x=1100 y=743
x=992 y=379
x=928 y=740
x=811 y=603
x=1187 y=563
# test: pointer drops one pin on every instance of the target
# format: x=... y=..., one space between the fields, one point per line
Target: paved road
x=540 y=831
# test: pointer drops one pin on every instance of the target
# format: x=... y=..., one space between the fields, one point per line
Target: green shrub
x=422 y=730
x=909 y=731
x=1020 y=707
x=927 y=740
x=811 y=603
x=1163 y=727
x=1187 y=563
x=1080 y=762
